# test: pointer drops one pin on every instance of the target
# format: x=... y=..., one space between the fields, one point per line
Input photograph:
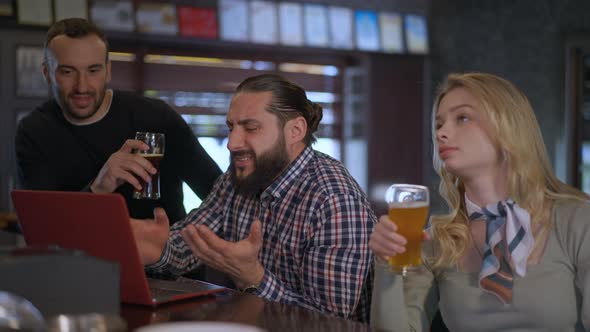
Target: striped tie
x=504 y=220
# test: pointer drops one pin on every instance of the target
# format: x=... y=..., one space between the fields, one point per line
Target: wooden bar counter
x=235 y=307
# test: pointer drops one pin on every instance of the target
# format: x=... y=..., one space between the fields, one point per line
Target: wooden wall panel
x=395 y=129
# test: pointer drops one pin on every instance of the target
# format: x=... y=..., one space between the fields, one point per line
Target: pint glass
x=408 y=208
x=155 y=141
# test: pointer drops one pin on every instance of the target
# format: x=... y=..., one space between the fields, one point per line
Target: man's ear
x=295 y=130
x=108 y=78
x=46 y=72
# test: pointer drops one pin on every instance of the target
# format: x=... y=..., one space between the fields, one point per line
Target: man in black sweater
x=82 y=139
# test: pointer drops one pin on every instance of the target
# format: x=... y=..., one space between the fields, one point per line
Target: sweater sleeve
x=573 y=226
x=403 y=303
x=192 y=163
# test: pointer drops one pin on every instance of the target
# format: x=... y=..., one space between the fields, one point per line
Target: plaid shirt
x=316 y=223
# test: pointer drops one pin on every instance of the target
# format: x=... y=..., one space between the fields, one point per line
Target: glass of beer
x=408 y=208
x=155 y=141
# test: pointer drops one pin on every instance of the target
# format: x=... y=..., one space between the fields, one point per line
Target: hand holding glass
x=408 y=209
x=155 y=153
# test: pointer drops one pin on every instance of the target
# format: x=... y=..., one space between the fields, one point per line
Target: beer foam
x=407 y=205
x=151 y=155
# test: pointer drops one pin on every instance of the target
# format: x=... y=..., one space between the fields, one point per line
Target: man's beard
x=267 y=167
x=62 y=100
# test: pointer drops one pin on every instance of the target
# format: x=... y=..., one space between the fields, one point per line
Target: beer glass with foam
x=408 y=209
x=155 y=141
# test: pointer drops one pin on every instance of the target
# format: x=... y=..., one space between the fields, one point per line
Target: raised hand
x=238 y=259
x=123 y=166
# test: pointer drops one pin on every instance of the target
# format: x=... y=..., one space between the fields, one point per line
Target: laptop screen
x=97 y=224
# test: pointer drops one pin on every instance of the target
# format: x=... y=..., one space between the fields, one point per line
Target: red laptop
x=98 y=224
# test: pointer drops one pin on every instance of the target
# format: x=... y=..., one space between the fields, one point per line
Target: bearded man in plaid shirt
x=285 y=222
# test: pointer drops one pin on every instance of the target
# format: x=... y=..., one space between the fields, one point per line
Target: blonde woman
x=513 y=254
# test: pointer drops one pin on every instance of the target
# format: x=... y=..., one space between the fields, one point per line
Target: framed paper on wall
x=263 y=22
x=156 y=18
x=34 y=12
x=113 y=15
x=6 y=8
x=291 y=23
x=315 y=25
x=197 y=22
x=367 y=30
x=416 y=34
x=70 y=8
x=392 y=38
x=30 y=81
x=234 y=20
x=341 y=22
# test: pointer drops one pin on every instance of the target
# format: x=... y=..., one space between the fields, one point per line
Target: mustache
x=89 y=94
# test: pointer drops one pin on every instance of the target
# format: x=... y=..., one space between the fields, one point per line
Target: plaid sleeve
x=177 y=258
x=336 y=264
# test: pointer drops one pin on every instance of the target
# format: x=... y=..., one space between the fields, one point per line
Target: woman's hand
x=385 y=241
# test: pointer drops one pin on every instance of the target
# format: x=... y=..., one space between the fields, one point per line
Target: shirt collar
x=282 y=184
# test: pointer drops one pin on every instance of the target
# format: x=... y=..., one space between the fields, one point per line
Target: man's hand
x=238 y=259
x=151 y=236
x=124 y=166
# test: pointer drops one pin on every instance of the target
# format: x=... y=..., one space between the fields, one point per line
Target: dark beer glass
x=155 y=141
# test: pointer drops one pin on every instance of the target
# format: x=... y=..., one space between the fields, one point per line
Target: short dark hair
x=288 y=101
x=75 y=28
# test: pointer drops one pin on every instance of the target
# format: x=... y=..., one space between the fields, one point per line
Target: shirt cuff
x=269 y=287
x=162 y=262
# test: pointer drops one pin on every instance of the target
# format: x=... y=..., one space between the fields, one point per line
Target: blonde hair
x=512 y=126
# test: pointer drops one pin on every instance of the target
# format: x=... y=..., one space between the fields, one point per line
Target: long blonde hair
x=512 y=126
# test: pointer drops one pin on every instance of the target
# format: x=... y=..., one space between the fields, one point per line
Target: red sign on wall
x=197 y=22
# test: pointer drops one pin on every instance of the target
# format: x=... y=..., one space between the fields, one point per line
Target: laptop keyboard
x=168 y=288
x=160 y=293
